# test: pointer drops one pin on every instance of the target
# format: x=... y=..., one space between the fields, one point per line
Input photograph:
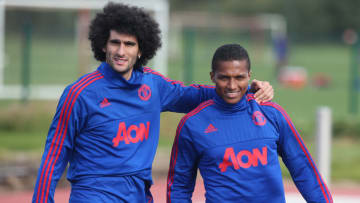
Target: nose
x=121 y=50
x=231 y=84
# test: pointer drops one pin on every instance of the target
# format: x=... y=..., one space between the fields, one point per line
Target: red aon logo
x=124 y=134
x=237 y=161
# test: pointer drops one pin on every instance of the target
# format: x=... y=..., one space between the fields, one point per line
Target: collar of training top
x=114 y=77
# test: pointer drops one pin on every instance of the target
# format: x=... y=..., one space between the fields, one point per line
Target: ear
x=104 y=50
x=249 y=74
x=212 y=76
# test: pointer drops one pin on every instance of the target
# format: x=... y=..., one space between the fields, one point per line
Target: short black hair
x=230 y=52
x=126 y=20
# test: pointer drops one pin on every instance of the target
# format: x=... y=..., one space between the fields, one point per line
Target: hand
x=263 y=91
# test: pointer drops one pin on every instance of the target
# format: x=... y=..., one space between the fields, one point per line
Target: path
x=340 y=194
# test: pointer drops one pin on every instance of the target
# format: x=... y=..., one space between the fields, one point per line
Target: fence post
x=189 y=46
x=26 y=56
x=323 y=142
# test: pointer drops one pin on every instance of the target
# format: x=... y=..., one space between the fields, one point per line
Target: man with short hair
x=235 y=142
x=107 y=123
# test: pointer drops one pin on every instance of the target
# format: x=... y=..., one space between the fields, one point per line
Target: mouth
x=120 y=60
x=232 y=94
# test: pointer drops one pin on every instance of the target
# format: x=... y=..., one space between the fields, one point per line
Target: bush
x=33 y=116
x=346 y=128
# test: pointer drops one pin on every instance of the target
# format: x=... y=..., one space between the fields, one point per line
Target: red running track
x=340 y=194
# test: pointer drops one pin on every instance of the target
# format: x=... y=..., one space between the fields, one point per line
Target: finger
x=265 y=85
x=254 y=85
x=260 y=88
x=261 y=98
x=259 y=94
x=267 y=89
x=268 y=94
x=265 y=93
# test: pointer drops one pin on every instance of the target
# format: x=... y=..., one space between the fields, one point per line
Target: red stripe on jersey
x=64 y=134
x=175 y=145
x=325 y=190
x=250 y=97
x=47 y=163
x=56 y=133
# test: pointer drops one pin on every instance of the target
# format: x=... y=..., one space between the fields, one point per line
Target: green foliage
x=30 y=117
x=306 y=19
x=345 y=158
x=23 y=126
x=343 y=14
x=329 y=59
x=347 y=128
x=52 y=61
x=45 y=22
x=21 y=141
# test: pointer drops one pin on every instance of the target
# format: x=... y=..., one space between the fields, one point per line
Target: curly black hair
x=229 y=52
x=126 y=20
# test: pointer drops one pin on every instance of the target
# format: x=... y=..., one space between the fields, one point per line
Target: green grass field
x=23 y=127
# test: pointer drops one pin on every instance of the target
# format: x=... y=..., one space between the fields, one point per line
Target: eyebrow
x=115 y=41
x=224 y=75
x=130 y=42
x=119 y=41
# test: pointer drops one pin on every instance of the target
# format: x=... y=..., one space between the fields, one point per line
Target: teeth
x=119 y=59
x=232 y=94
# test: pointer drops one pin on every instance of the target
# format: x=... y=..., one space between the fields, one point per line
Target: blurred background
x=308 y=50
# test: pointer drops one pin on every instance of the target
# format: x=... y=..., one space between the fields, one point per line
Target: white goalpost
x=159 y=9
x=323 y=142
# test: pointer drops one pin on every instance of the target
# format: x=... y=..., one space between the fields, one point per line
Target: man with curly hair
x=106 y=125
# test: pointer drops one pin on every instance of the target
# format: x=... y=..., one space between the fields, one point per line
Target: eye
x=130 y=44
x=223 y=78
x=116 y=42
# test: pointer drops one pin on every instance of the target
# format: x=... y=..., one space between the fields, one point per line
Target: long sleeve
x=298 y=160
x=59 y=144
x=183 y=167
x=176 y=97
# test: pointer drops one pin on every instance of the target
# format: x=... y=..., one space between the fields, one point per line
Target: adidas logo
x=210 y=129
x=105 y=103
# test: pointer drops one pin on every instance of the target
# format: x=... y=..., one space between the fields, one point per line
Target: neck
x=126 y=75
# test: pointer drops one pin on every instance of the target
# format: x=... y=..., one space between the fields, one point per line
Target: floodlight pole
x=323 y=142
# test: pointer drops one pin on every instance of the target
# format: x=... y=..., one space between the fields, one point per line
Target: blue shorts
x=111 y=189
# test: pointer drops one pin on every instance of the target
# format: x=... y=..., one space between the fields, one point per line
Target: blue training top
x=236 y=148
x=107 y=128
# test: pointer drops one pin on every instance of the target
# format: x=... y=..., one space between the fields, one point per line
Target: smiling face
x=122 y=51
x=231 y=79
